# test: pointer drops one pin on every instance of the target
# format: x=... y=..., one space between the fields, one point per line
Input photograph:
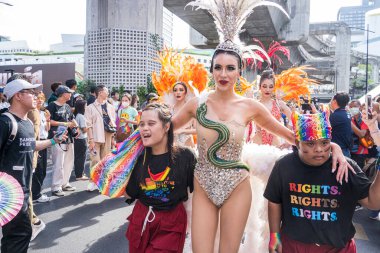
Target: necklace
x=159 y=177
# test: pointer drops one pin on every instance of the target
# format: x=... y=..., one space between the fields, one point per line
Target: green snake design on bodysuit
x=223 y=137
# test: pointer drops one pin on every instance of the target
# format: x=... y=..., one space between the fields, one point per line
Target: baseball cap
x=152 y=96
x=16 y=86
x=63 y=89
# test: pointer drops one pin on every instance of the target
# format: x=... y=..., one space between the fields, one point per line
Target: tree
x=84 y=87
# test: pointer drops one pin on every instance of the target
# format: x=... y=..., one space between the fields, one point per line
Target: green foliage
x=141 y=93
x=84 y=87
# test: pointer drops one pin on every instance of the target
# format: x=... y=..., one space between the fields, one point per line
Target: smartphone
x=306 y=107
x=60 y=131
x=368 y=106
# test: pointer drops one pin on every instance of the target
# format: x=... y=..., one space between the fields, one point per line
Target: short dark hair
x=98 y=89
x=341 y=98
x=17 y=76
x=113 y=93
x=79 y=107
x=92 y=89
x=71 y=83
x=54 y=86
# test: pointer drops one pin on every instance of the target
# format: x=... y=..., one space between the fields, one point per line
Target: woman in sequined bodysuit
x=276 y=107
x=222 y=193
x=184 y=135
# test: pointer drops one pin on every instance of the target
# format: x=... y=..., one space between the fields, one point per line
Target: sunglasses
x=32 y=92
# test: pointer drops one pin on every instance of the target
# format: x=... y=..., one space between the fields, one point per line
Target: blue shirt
x=341 y=128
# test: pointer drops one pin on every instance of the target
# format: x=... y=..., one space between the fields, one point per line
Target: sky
x=41 y=22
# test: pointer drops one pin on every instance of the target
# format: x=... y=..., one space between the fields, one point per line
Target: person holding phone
x=16 y=158
x=358 y=151
x=62 y=118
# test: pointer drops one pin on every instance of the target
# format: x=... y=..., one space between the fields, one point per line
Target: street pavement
x=88 y=222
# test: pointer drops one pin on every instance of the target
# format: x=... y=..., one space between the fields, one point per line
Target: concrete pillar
x=342 y=57
x=297 y=29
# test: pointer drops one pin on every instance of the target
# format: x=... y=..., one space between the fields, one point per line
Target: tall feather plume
x=273 y=51
x=231 y=15
x=293 y=83
x=175 y=67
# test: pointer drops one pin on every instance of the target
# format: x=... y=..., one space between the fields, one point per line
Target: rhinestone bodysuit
x=219 y=183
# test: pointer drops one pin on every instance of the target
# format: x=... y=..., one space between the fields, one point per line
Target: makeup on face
x=225 y=70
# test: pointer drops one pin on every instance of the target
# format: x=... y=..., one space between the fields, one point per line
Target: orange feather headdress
x=294 y=83
x=177 y=68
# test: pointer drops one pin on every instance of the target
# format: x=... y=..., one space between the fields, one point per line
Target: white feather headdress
x=229 y=17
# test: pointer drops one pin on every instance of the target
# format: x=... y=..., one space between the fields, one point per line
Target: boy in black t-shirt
x=16 y=158
x=307 y=207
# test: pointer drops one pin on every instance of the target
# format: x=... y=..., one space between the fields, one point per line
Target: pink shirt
x=94 y=119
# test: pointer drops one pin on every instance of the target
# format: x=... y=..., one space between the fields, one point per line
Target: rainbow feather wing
x=112 y=173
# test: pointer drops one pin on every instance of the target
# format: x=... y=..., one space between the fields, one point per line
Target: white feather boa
x=260 y=159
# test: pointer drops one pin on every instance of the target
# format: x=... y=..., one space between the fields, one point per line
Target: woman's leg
x=204 y=221
x=233 y=217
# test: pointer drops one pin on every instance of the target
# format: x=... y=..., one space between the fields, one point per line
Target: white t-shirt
x=43 y=133
x=81 y=120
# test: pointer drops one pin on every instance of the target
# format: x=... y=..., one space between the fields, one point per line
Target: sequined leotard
x=219 y=171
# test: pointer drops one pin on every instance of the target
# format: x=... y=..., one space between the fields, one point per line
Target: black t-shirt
x=341 y=128
x=71 y=102
x=16 y=159
x=60 y=113
x=165 y=185
x=315 y=207
x=91 y=99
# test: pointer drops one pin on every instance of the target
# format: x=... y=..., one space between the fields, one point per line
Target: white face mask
x=125 y=104
x=354 y=111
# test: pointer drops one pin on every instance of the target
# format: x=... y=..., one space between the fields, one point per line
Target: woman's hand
x=371 y=123
x=339 y=158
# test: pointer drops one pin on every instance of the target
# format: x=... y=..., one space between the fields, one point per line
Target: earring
x=238 y=87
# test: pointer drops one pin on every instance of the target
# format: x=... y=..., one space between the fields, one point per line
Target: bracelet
x=375 y=131
x=52 y=142
x=274 y=241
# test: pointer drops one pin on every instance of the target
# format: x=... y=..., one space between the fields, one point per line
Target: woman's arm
x=373 y=200
x=274 y=218
x=185 y=114
x=286 y=110
x=265 y=120
x=372 y=126
x=357 y=131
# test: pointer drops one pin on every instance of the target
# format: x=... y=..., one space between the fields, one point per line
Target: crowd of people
x=308 y=161
x=94 y=126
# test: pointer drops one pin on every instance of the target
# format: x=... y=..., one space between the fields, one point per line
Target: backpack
x=14 y=129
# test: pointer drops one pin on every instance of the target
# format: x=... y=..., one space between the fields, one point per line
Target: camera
x=74 y=132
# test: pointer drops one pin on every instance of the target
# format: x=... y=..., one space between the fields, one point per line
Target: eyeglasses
x=31 y=92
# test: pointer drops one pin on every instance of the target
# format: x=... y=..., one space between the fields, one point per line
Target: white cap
x=16 y=86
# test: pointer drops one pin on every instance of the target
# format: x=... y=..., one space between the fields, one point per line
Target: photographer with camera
x=100 y=117
x=62 y=119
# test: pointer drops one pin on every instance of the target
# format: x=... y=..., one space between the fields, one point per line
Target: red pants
x=292 y=246
x=164 y=231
